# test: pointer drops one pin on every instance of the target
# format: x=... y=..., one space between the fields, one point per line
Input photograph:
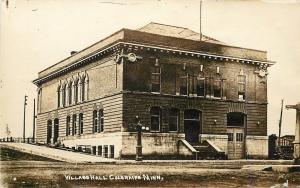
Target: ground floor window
x=235 y=119
x=155 y=114
x=173 y=119
x=105 y=151
x=112 y=151
x=100 y=150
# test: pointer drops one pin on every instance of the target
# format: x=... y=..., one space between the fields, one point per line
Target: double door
x=236 y=143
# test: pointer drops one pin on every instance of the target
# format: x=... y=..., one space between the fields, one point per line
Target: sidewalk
x=56 y=154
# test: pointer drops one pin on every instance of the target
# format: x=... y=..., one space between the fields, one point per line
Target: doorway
x=236 y=138
x=192 y=127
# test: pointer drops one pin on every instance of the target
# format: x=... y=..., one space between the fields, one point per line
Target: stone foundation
x=257 y=147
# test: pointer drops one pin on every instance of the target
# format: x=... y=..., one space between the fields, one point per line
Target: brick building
x=194 y=96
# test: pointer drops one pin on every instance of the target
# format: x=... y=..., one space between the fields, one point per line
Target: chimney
x=73 y=52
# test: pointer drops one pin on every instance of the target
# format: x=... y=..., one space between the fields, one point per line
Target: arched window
x=95 y=121
x=83 y=88
x=101 y=121
x=70 y=92
x=68 y=129
x=58 y=96
x=63 y=95
x=76 y=96
x=80 y=123
x=173 y=119
x=155 y=114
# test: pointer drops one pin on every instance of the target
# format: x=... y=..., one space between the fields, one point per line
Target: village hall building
x=193 y=97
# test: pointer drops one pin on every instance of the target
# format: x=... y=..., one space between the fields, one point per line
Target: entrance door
x=235 y=143
x=192 y=125
x=49 y=131
x=56 y=129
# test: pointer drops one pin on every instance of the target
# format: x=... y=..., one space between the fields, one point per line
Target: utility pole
x=25 y=103
x=34 y=116
x=280 y=122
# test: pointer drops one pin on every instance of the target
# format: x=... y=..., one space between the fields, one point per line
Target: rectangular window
x=112 y=151
x=239 y=137
x=105 y=151
x=183 y=85
x=94 y=150
x=217 y=88
x=80 y=123
x=95 y=121
x=200 y=86
x=230 y=137
x=101 y=121
x=100 y=150
x=68 y=129
x=241 y=87
x=173 y=120
x=155 y=114
x=74 y=124
x=155 y=79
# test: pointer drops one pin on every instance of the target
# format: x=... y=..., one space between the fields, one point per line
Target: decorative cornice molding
x=160 y=49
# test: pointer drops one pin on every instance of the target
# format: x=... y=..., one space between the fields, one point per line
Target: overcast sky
x=35 y=34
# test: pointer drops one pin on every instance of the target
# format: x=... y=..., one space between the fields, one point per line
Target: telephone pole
x=33 y=129
x=280 y=122
x=25 y=103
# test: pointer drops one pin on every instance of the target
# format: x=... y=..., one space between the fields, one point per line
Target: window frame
x=156 y=74
x=241 y=82
x=155 y=116
x=177 y=111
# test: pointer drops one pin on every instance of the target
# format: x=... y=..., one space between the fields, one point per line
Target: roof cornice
x=155 y=48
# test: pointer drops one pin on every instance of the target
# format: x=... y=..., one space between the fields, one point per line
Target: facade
x=189 y=94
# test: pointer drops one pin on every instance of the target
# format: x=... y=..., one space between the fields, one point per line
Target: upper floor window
x=76 y=92
x=80 y=123
x=183 y=88
x=196 y=85
x=155 y=78
x=63 y=95
x=241 y=87
x=217 y=86
x=155 y=114
x=173 y=119
x=83 y=85
x=70 y=85
x=58 y=96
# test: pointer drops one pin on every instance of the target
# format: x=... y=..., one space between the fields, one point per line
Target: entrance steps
x=207 y=150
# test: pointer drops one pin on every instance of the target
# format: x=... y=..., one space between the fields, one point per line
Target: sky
x=35 y=34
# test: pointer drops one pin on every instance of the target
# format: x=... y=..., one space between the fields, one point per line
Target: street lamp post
x=139 y=155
